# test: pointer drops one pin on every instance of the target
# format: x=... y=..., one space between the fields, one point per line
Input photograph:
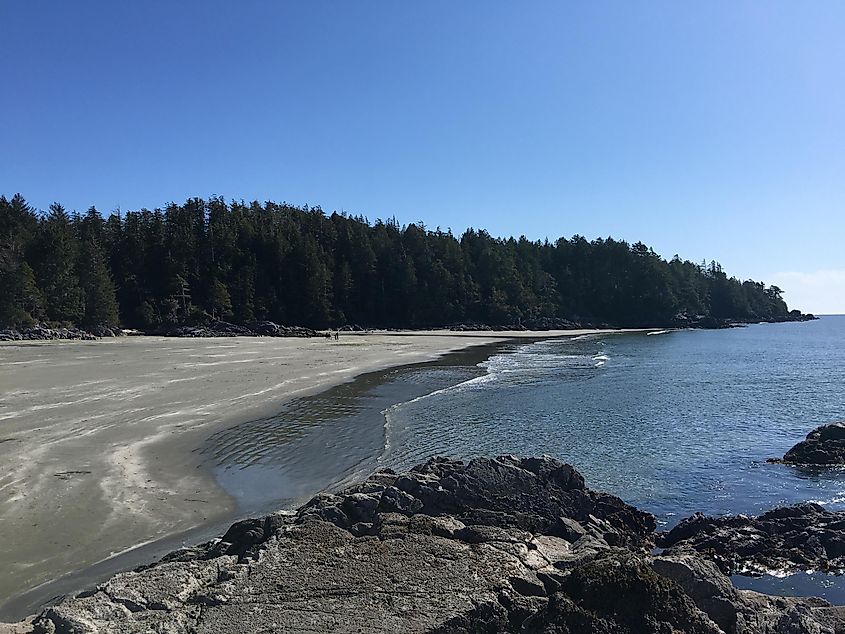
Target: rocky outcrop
x=44 y=333
x=744 y=611
x=226 y=329
x=707 y=322
x=787 y=539
x=470 y=327
x=529 y=323
x=538 y=495
x=824 y=445
x=493 y=545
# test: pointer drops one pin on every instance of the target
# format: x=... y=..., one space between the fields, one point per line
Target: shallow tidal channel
x=327 y=440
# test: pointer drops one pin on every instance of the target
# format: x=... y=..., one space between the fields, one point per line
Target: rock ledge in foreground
x=493 y=545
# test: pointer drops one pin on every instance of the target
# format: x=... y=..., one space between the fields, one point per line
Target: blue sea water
x=674 y=423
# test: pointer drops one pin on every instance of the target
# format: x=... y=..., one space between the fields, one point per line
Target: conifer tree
x=56 y=267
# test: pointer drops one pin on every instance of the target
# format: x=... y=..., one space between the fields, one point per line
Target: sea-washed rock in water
x=493 y=545
x=824 y=445
x=787 y=539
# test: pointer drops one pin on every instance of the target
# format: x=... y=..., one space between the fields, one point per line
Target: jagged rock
x=493 y=545
x=824 y=445
x=528 y=323
x=540 y=495
x=243 y=538
x=744 y=611
x=793 y=538
x=705 y=584
x=550 y=323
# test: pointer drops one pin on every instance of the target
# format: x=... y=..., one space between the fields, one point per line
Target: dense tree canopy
x=242 y=262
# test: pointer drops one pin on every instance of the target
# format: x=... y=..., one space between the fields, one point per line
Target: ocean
x=672 y=422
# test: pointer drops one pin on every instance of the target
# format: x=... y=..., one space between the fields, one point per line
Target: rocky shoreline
x=43 y=332
x=226 y=329
x=493 y=545
x=678 y=322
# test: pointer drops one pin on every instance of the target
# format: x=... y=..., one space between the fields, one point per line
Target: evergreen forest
x=207 y=260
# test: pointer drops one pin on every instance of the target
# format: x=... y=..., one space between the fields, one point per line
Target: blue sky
x=712 y=130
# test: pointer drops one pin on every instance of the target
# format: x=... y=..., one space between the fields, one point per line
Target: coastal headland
x=99 y=436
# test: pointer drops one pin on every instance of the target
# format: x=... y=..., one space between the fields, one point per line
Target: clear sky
x=713 y=130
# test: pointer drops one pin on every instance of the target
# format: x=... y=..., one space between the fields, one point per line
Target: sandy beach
x=98 y=438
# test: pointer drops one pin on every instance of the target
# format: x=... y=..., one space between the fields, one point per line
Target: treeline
x=205 y=260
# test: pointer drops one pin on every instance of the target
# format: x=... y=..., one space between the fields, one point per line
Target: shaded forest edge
x=206 y=261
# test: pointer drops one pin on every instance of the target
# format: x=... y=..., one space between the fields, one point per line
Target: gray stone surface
x=786 y=539
x=495 y=545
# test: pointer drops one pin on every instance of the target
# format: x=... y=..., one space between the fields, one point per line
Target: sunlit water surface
x=673 y=423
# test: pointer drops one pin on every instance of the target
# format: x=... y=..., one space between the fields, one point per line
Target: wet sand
x=99 y=439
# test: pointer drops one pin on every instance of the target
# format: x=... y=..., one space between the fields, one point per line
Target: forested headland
x=210 y=259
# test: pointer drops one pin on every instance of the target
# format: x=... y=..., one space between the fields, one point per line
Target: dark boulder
x=824 y=445
x=622 y=594
x=246 y=537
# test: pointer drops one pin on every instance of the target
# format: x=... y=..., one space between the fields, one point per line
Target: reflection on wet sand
x=325 y=440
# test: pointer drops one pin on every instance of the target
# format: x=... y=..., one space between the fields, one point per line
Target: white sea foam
x=530 y=362
x=474 y=382
x=837 y=499
x=582 y=337
x=754 y=569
